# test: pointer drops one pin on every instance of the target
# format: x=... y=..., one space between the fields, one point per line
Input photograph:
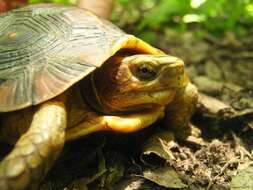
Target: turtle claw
x=194 y=136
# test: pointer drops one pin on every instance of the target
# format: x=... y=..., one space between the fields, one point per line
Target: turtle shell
x=45 y=49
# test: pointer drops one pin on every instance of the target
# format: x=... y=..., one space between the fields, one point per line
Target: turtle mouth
x=162 y=97
x=143 y=101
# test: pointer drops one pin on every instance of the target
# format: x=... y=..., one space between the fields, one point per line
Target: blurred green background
x=146 y=17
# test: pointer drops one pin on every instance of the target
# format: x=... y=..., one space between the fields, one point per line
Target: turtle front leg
x=36 y=150
x=122 y=124
x=179 y=112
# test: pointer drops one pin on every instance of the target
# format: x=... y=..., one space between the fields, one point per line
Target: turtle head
x=134 y=83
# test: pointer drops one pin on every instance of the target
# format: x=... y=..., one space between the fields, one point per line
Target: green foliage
x=165 y=10
x=224 y=15
x=216 y=17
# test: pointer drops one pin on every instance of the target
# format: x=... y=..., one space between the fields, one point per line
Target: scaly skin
x=35 y=152
x=179 y=112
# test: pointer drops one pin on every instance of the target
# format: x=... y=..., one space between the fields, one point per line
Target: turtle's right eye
x=144 y=71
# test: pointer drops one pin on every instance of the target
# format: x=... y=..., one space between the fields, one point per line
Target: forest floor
x=220 y=157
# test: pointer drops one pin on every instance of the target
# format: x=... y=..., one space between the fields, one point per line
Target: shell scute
x=45 y=49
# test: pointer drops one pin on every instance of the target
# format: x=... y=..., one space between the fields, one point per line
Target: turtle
x=66 y=73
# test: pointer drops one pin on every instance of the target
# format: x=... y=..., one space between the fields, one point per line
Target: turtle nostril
x=172 y=76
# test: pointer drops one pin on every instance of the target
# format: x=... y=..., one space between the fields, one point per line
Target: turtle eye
x=145 y=72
